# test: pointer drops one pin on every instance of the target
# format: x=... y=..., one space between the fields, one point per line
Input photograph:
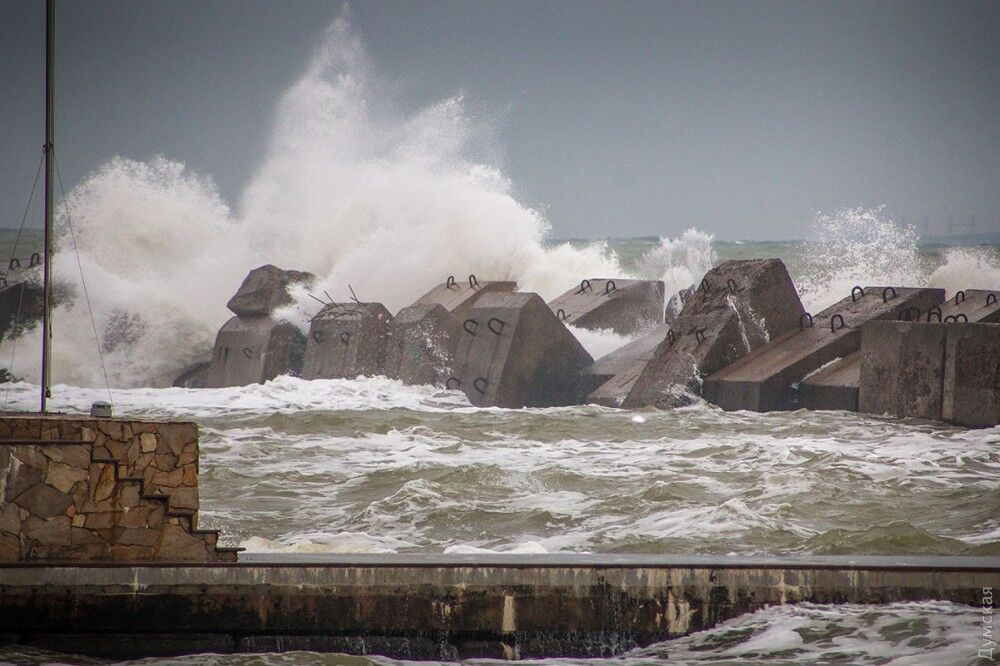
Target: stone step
x=765 y=379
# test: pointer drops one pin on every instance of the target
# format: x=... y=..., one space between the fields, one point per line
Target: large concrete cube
x=738 y=307
x=514 y=352
x=457 y=296
x=347 y=340
x=623 y=306
x=766 y=379
x=972 y=375
x=421 y=345
x=902 y=368
x=265 y=289
x=836 y=385
x=251 y=350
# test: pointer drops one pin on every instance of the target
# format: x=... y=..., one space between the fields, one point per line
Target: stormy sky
x=614 y=119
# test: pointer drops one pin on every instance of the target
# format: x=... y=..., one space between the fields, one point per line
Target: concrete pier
x=765 y=379
x=444 y=607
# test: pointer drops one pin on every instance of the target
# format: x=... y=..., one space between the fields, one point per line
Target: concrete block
x=514 y=352
x=421 y=345
x=902 y=369
x=834 y=386
x=623 y=306
x=347 y=340
x=608 y=380
x=972 y=375
x=457 y=296
x=765 y=379
x=251 y=350
x=737 y=307
x=970 y=305
x=264 y=289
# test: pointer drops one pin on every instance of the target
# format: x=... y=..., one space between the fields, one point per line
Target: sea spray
x=857 y=246
x=352 y=189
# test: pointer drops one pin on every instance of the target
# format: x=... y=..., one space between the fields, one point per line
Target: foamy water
x=391 y=201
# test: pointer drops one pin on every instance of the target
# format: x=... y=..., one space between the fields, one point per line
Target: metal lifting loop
x=450 y=282
x=584 y=286
x=671 y=337
x=699 y=335
x=496 y=331
x=345 y=337
x=561 y=314
x=14 y=263
x=473 y=282
x=452 y=383
x=907 y=316
x=35 y=260
x=703 y=286
x=955 y=317
x=248 y=352
x=480 y=384
x=317 y=336
x=3 y=283
x=731 y=283
x=957 y=294
x=609 y=287
x=990 y=299
x=805 y=315
x=474 y=324
x=935 y=310
x=856 y=290
x=833 y=322
x=886 y=291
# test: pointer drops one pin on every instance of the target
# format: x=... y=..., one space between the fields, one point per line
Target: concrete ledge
x=451 y=607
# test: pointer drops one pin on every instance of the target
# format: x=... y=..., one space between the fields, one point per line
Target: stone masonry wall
x=80 y=488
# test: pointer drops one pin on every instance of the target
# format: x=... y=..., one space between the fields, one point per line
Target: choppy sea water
x=373 y=466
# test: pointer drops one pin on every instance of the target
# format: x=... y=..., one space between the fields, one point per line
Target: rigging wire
x=83 y=281
x=20 y=300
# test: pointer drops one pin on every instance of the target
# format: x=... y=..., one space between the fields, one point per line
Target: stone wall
x=79 y=488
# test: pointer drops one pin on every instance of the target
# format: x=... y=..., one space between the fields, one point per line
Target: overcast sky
x=613 y=118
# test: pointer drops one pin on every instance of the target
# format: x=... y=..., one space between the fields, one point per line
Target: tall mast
x=46 y=303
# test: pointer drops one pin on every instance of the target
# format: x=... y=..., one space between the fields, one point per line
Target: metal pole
x=46 y=303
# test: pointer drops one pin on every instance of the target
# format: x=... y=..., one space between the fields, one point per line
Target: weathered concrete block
x=421 y=345
x=264 y=289
x=972 y=375
x=902 y=368
x=347 y=340
x=608 y=380
x=252 y=350
x=834 y=386
x=623 y=306
x=765 y=379
x=514 y=352
x=738 y=306
x=970 y=305
x=457 y=296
